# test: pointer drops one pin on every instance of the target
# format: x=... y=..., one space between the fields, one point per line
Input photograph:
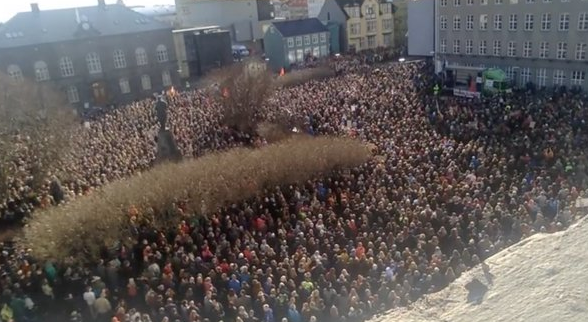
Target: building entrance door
x=99 y=93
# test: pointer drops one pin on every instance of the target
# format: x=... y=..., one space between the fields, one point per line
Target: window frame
x=141 y=57
x=93 y=63
x=119 y=58
x=161 y=53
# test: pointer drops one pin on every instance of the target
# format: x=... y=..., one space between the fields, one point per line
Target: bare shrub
x=35 y=124
x=242 y=92
x=82 y=226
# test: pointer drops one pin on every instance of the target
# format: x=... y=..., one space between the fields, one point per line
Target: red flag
x=282 y=72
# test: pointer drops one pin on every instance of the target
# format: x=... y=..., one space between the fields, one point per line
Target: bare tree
x=242 y=90
x=35 y=131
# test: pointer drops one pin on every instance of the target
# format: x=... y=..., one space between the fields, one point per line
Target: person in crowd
x=453 y=182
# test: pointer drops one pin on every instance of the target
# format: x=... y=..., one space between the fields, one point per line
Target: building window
x=562 y=50
x=497 y=49
x=513 y=22
x=456 y=3
x=15 y=73
x=161 y=53
x=527 y=49
x=323 y=37
x=370 y=12
x=292 y=56
x=564 y=21
x=497 y=1
x=353 y=12
x=529 y=17
x=583 y=21
x=66 y=67
x=525 y=76
x=386 y=8
x=316 y=52
x=355 y=29
x=388 y=40
x=559 y=77
x=166 y=79
x=371 y=26
x=546 y=21
x=119 y=59
x=578 y=77
x=41 y=71
x=443 y=46
x=469 y=22
x=146 y=82
x=290 y=42
x=482 y=48
x=443 y=22
x=456 y=22
x=307 y=40
x=470 y=2
x=299 y=55
x=93 y=62
x=324 y=51
x=443 y=3
x=497 y=22
x=469 y=47
x=298 y=41
x=125 y=87
x=72 y=94
x=387 y=24
x=581 y=51
x=315 y=39
x=141 y=56
x=371 y=41
x=483 y=22
x=483 y=2
x=530 y=1
x=456 y=46
x=541 y=77
x=510 y=73
x=512 y=49
x=544 y=50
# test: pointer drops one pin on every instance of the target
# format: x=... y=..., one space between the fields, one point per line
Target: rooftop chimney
x=101 y=3
x=35 y=8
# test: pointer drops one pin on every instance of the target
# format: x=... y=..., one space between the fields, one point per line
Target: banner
x=465 y=93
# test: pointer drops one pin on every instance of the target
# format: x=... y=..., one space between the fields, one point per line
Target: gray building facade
x=294 y=41
x=98 y=56
x=543 y=42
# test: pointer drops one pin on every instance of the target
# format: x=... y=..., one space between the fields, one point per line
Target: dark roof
x=28 y=28
x=291 y=28
x=351 y=3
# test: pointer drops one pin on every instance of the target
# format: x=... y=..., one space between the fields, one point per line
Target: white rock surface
x=542 y=278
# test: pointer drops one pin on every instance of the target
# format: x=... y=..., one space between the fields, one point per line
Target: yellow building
x=369 y=25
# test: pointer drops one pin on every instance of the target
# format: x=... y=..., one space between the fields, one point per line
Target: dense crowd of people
x=453 y=181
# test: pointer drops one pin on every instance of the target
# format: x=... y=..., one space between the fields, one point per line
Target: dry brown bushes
x=243 y=89
x=35 y=120
x=81 y=227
